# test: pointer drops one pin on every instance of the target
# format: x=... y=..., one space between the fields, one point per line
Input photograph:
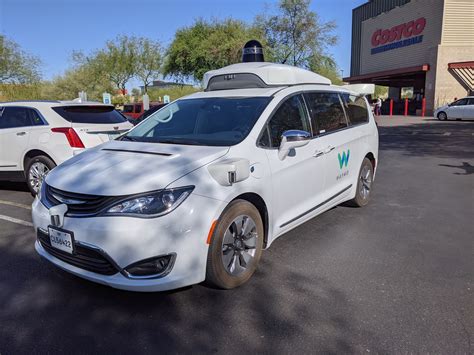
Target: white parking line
x=447 y=134
x=26 y=207
x=15 y=220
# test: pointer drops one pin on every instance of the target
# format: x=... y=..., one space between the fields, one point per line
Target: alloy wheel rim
x=365 y=182
x=36 y=175
x=239 y=245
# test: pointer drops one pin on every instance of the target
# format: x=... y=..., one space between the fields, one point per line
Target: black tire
x=364 y=184
x=217 y=274
x=442 y=116
x=30 y=164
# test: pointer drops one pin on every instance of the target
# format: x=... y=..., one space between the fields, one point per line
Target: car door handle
x=328 y=149
x=21 y=133
x=319 y=153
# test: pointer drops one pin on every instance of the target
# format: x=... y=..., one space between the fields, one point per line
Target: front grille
x=83 y=257
x=77 y=204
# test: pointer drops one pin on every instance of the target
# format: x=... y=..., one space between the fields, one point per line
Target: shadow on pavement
x=468 y=168
x=13 y=186
x=56 y=312
x=430 y=138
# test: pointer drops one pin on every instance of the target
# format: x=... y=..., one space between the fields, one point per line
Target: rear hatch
x=94 y=124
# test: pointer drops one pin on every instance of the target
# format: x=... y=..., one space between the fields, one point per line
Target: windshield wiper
x=128 y=138
x=178 y=141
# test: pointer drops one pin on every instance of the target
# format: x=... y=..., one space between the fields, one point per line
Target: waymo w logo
x=343 y=159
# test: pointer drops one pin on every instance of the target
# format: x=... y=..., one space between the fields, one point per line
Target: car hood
x=442 y=108
x=124 y=167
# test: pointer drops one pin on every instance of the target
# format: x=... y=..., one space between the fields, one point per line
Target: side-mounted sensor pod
x=230 y=171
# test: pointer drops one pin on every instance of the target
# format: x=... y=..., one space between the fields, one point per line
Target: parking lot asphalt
x=394 y=277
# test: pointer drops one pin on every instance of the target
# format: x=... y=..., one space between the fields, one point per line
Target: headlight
x=152 y=204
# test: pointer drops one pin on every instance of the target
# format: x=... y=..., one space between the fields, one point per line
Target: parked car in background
x=147 y=113
x=135 y=110
x=35 y=136
x=462 y=109
x=216 y=177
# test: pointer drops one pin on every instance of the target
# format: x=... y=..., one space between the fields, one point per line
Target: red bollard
x=391 y=107
x=406 y=107
x=423 y=107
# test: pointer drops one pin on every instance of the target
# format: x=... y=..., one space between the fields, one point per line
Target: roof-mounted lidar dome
x=252 y=52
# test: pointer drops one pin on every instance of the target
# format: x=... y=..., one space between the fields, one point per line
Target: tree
x=85 y=75
x=16 y=66
x=149 y=59
x=207 y=45
x=295 y=34
x=326 y=66
x=117 y=61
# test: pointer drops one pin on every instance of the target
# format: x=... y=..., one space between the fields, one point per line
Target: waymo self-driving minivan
x=217 y=177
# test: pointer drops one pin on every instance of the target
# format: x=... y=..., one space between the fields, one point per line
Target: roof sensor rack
x=255 y=73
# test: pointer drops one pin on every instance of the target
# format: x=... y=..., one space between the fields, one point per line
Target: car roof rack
x=260 y=75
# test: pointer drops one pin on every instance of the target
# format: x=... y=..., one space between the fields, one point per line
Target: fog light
x=153 y=267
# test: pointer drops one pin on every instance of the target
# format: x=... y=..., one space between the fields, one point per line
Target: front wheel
x=36 y=170
x=442 y=116
x=236 y=246
x=364 y=184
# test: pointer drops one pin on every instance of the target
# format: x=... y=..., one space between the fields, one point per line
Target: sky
x=53 y=29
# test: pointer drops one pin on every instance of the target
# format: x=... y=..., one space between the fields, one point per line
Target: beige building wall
x=457 y=45
x=416 y=54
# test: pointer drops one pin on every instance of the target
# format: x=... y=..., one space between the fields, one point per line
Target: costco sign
x=399 y=36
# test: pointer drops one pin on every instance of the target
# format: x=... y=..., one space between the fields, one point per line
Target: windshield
x=207 y=121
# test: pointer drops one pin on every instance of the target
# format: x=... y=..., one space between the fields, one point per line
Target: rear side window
x=356 y=109
x=35 y=118
x=327 y=114
x=89 y=114
x=138 y=108
x=290 y=115
x=470 y=101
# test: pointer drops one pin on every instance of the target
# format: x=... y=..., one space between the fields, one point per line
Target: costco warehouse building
x=424 y=46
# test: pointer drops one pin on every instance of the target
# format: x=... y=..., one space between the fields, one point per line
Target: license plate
x=61 y=240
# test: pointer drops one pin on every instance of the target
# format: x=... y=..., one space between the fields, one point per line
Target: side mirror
x=292 y=139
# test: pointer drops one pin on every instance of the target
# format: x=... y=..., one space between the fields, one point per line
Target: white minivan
x=217 y=177
x=35 y=136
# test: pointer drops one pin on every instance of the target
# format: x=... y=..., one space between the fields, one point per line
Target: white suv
x=35 y=136
x=217 y=177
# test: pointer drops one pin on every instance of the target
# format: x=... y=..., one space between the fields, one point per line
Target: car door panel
x=14 y=135
x=298 y=179
x=455 y=111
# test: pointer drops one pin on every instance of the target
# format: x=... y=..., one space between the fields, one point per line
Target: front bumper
x=126 y=240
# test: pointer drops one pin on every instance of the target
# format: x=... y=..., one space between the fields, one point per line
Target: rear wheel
x=36 y=170
x=442 y=116
x=364 y=184
x=236 y=246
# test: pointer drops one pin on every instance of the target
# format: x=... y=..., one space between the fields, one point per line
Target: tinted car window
x=470 y=101
x=326 y=112
x=35 y=118
x=15 y=117
x=138 y=108
x=205 y=121
x=459 y=102
x=128 y=108
x=356 y=109
x=290 y=115
x=90 y=114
